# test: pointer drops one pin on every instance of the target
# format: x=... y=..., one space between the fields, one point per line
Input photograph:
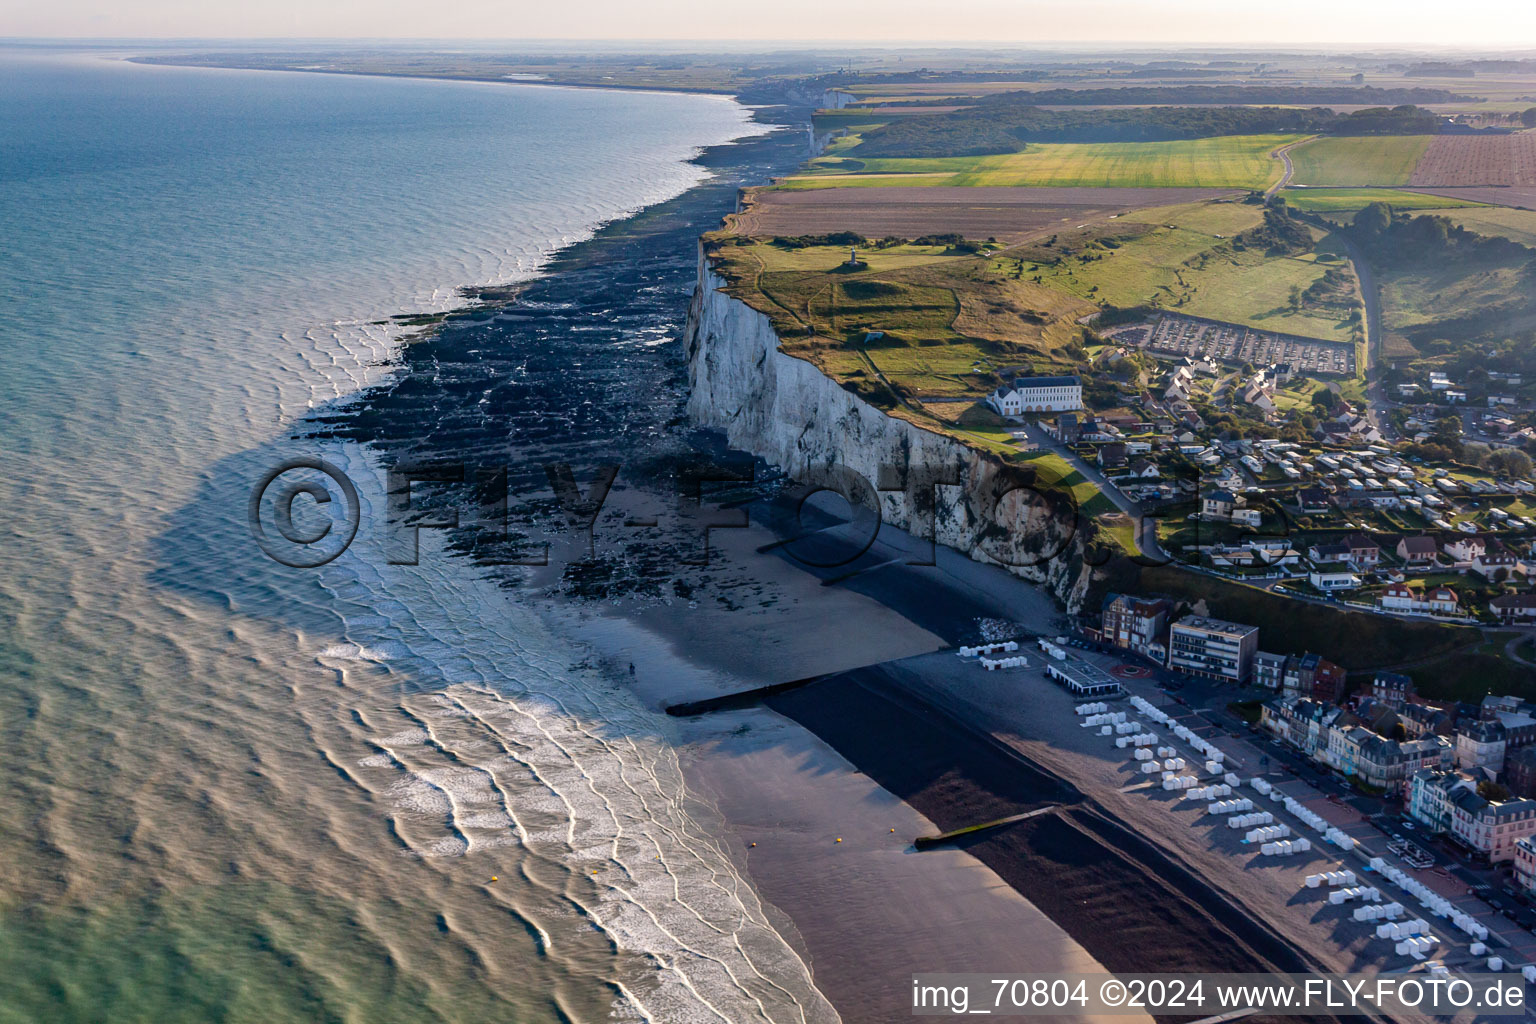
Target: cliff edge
x=784 y=410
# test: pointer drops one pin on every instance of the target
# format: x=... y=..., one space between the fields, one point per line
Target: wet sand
x=871 y=911
x=1124 y=900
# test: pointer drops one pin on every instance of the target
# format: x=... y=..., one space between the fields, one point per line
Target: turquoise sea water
x=236 y=792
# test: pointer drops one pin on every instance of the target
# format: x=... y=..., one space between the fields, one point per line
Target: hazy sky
x=1474 y=23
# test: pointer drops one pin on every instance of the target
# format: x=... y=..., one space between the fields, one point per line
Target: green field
x=1418 y=297
x=920 y=312
x=1237 y=161
x=1054 y=472
x=1349 y=200
x=1373 y=160
x=822 y=258
x=1181 y=263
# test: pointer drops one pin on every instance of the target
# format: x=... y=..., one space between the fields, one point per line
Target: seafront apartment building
x=1449 y=802
x=1209 y=647
x=1037 y=394
x=1137 y=624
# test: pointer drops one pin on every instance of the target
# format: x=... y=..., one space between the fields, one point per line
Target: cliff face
x=784 y=410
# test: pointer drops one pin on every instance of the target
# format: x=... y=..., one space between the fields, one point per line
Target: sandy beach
x=907 y=736
x=865 y=912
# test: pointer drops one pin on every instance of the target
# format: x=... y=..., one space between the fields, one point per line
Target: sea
x=241 y=790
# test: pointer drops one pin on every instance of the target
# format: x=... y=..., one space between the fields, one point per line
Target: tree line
x=1226 y=95
x=1006 y=128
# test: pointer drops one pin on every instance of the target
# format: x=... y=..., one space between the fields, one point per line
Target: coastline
x=860 y=910
x=766 y=779
x=152 y=61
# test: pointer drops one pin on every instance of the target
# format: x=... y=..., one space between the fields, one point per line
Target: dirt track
x=986 y=212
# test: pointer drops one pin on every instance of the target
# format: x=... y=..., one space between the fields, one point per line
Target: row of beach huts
x=1219 y=788
x=1411 y=937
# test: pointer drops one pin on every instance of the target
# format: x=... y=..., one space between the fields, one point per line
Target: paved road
x=1285 y=179
x=1511 y=651
x=1146 y=528
x=1370 y=294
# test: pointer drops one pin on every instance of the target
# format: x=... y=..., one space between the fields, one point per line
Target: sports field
x=1234 y=161
x=1374 y=160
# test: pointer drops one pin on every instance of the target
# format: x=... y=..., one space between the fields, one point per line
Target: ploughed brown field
x=1521 y=198
x=1008 y=214
x=1460 y=160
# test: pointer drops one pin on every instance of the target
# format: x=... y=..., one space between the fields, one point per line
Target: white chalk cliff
x=786 y=411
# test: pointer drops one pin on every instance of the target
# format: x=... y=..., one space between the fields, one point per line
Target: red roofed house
x=1400 y=597
x=1363 y=551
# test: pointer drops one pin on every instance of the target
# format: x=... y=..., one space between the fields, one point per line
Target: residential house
x=1090 y=429
x=1480 y=745
x=1391 y=688
x=1269 y=670
x=1495 y=562
x=1514 y=607
x=1488 y=827
x=1328 y=553
x=1375 y=715
x=1420 y=717
x=1429 y=797
x=1312 y=675
x=1514 y=715
x=1382 y=763
x=1525 y=863
x=1520 y=772
x=1403 y=598
x=1418 y=552
x=1363 y=552
x=1144 y=469
x=1112 y=456
x=1218 y=504
x=1329 y=578
x=1312 y=501
x=1301 y=722
x=1136 y=624
x=1067 y=428
x=1466 y=549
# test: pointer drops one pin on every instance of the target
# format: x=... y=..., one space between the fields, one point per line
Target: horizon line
x=801 y=45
